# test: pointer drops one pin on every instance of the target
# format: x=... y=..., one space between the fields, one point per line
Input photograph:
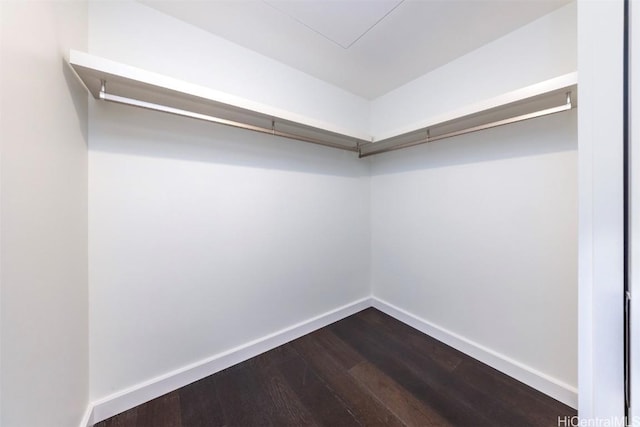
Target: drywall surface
x=478 y=236
x=163 y=44
x=203 y=237
x=541 y=50
x=601 y=235
x=43 y=235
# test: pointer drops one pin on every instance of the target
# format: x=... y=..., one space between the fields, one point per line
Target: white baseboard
x=538 y=380
x=87 y=418
x=131 y=397
x=148 y=390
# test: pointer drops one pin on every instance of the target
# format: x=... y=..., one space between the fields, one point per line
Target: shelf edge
x=81 y=60
x=107 y=66
x=557 y=83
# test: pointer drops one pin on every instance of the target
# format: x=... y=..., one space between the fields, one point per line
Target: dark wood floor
x=368 y=369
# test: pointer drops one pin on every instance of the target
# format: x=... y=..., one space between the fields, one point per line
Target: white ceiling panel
x=388 y=43
x=341 y=21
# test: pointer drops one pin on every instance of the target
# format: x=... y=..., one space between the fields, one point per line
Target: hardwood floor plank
x=342 y=352
x=125 y=419
x=242 y=404
x=272 y=358
x=161 y=412
x=447 y=357
x=199 y=404
x=318 y=397
x=367 y=409
x=399 y=401
x=542 y=410
x=287 y=409
x=257 y=393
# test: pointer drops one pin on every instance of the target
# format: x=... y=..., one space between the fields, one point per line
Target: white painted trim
x=521 y=372
x=87 y=418
x=600 y=212
x=155 y=387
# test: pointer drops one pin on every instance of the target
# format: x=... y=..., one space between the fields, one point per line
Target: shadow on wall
x=132 y=131
x=78 y=96
x=549 y=134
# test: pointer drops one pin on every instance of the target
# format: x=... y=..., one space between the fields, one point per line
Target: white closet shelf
x=115 y=82
x=548 y=97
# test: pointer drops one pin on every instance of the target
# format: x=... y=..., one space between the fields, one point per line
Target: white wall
x=600 y=47
x=541 y=50
x=477 y=235
x=202 y=237
x=43 y=240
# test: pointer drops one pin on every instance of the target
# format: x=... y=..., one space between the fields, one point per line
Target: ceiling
x=367 y=47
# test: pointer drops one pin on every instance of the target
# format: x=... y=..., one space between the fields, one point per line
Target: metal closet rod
x=567 y=106
x=103 y=95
